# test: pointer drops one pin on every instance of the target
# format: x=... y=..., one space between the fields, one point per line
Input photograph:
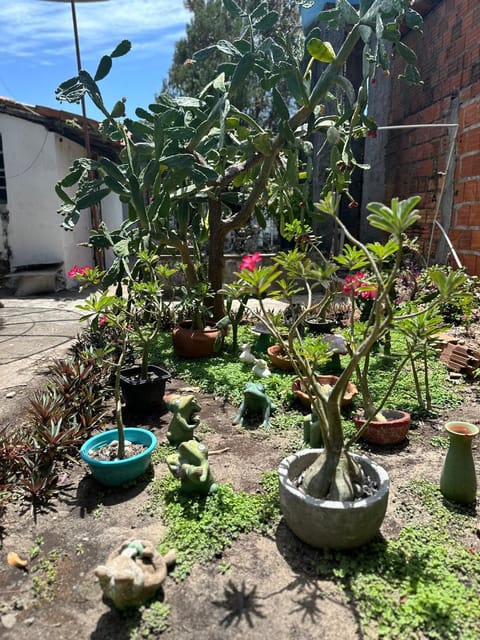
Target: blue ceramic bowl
x=113 y=473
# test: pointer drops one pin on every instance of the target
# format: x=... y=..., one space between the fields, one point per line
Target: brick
x=469 y=141
x=470 y=165
x=471 y=114
x=471 y=191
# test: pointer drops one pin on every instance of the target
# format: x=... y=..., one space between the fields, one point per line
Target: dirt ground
x=268 y=590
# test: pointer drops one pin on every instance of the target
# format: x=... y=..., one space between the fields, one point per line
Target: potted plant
x=195 y=335
x=146 y=313
x=119 y=455
x=332 y=497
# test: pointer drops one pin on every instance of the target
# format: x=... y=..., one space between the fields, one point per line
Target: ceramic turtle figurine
x=255 y=402
x=190 y=465
x=133 y=573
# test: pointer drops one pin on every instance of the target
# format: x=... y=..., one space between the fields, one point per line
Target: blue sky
x=37 y=49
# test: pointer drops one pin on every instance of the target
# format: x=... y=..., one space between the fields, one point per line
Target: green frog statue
x=184 y=420
x=255 y=402
x=190 y=465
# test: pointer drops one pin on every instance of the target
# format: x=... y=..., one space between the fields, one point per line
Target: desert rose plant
x=335 y=475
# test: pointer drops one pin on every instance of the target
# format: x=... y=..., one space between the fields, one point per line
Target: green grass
x=199 y=529
x=423 y=584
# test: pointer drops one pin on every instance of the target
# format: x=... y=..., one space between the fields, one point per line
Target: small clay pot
x=195 y=343
x=278 y=359
x=298 y=388
x=393 y=431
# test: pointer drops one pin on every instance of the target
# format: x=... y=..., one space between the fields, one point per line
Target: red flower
x=250 y=262
x=372 y=133
x=102 y=321
x=79 y=271
x=353 y=205
x=357 y=285
x=73 y=272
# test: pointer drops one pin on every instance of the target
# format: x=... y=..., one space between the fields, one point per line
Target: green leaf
x=189 y=103
x=111 y=169
x=321 y=51
x=203 y=54
x=233 y=8
x=178 y=161
x=103 y=68
x=262 y=143
x=91 y=198
x=413 y=19
x=280 y=105
x=229 y=49
x=267 y=22
x=242 y=69
x=412 y=74
x=121 y=49
x=72 y=178
x=347 y=12
x=63 y=195
x=260 y=10
x=115 y=186
x=295 y=84
x=407 y=54
x=347 y=87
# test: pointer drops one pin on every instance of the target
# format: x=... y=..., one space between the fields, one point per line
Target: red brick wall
x=448 y=54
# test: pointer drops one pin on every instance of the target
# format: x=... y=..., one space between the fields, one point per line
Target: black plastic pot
x=141 y=395
x=320 y=326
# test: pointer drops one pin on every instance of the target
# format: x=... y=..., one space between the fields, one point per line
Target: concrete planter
x=329 y=523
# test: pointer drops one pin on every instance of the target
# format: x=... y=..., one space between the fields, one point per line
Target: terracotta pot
x=298 y=388
x=278 y=358
x=331 y=523
x=195 y=343
x=393 y=431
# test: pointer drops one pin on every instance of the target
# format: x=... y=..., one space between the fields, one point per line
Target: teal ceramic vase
x=458 y=480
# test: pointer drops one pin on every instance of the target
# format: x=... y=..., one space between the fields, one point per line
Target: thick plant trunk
x=333 y=476
x=216 y=257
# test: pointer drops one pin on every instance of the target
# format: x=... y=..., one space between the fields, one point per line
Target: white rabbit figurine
x=247 y=355
x=260 y=368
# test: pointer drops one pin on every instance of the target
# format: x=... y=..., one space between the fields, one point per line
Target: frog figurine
x=312 y=434
x=255 y=401
x=184 y=420
x=190 y=465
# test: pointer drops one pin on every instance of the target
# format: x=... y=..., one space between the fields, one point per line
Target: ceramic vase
x=458 y=480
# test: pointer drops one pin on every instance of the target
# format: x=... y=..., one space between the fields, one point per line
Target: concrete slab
x=33 y=332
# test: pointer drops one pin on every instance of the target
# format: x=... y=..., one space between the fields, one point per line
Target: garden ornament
x=255 y=401
x=247 y=355
x=312 y=434
x=184 y=420
x=190 y=465
x=133 y=573
x=260 y=369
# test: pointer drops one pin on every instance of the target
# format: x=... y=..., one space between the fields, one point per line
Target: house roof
x=62 y=122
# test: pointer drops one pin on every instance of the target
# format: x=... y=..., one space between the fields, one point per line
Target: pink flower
x=359 y=286
x=79 y=271
x=250 y=262
x=83 y=271
x=73 y=272
x=102 y=321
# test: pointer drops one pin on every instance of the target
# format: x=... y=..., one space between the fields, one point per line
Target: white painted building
x=37 y=146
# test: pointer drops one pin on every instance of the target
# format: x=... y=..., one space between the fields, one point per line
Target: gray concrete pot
x=329 y=523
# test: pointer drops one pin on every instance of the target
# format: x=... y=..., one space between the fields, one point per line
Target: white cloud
x=43 y=30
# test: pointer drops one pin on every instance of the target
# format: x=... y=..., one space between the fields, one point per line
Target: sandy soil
x=269 y=590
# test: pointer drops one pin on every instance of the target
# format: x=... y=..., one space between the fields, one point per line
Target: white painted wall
x=35 y=159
